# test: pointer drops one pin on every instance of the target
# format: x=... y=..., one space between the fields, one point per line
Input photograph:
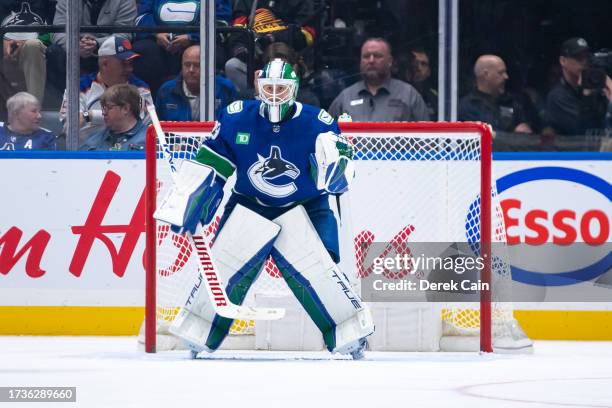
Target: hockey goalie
x=289 y=158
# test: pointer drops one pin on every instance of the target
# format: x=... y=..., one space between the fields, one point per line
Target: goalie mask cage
x=419 y=182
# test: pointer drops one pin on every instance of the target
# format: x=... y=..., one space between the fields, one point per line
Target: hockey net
x=416 y=182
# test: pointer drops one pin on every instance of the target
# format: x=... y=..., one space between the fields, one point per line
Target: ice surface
x=111 y=372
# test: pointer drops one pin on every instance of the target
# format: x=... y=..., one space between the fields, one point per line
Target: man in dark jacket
x=570 y=108
x=179 y=98
x=489 y=102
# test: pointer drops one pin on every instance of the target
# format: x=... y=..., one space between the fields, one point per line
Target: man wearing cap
x=572 y=109
x=114 y=67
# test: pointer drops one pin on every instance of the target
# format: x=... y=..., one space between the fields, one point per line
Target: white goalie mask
x=277 y=86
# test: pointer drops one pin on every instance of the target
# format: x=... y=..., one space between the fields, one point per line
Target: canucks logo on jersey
x=266 y=169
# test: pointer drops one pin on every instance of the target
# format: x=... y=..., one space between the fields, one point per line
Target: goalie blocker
x=241 y=248
x=194 y=197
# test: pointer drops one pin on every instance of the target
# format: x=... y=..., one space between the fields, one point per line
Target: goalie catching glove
x=194 y=198
x=331 y=165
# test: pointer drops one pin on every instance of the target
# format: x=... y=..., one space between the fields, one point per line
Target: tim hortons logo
x=88 y=233
x=9 y=255
x=93 y=229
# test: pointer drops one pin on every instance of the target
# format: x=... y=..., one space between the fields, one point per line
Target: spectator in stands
x=570 y=108
x=115 y=67
x=272 y=21
x=24 y=53
x=124 y=130
x=161 y=52
x=378 y=97
x=23 y=131
x=94 y=13
x=288 y=54
x=421 y=80
x=489 y=102
x=414 y=67
x=179 y=98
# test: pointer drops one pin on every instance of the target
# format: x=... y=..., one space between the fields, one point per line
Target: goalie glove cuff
x=204 y=206
x=339 y=176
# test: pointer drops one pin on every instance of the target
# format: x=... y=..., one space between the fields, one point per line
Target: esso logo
x=562 y=227
x=560 y=205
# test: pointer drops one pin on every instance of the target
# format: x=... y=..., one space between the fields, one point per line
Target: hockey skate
x=356 y=349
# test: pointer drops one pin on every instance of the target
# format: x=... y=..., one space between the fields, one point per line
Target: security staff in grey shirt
x=378 y=97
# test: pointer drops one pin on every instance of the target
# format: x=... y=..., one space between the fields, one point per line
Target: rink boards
x=72 y=239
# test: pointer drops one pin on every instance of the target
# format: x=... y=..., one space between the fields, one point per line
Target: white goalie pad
x=191 y=177
x=243 y=236
x=299 y=244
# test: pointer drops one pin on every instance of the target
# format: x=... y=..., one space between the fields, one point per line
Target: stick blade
x=250 y=313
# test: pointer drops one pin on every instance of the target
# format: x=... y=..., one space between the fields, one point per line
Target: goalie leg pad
x=240 y=250
x=321 y=288
x=192 y=328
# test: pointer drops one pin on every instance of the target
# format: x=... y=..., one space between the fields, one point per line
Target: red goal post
x=190 y=135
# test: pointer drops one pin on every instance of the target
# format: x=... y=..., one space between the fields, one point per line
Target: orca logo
x=25 y=16
x=270 y=168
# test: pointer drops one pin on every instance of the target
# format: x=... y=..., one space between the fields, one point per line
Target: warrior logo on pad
x=266 y=169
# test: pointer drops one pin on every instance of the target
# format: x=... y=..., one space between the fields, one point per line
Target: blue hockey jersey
x=38 y=140
x=271 y=161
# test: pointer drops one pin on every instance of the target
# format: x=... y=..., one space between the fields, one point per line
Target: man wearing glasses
x=124 y=129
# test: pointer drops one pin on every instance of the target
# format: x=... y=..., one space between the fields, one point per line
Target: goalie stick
x=207 y=269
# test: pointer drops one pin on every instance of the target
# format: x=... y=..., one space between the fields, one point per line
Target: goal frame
x=486 y=140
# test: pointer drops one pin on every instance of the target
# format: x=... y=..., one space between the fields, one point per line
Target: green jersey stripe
x=224 y=167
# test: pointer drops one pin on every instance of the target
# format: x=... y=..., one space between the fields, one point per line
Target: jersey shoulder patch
x=234 y=107
x=325 y=117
